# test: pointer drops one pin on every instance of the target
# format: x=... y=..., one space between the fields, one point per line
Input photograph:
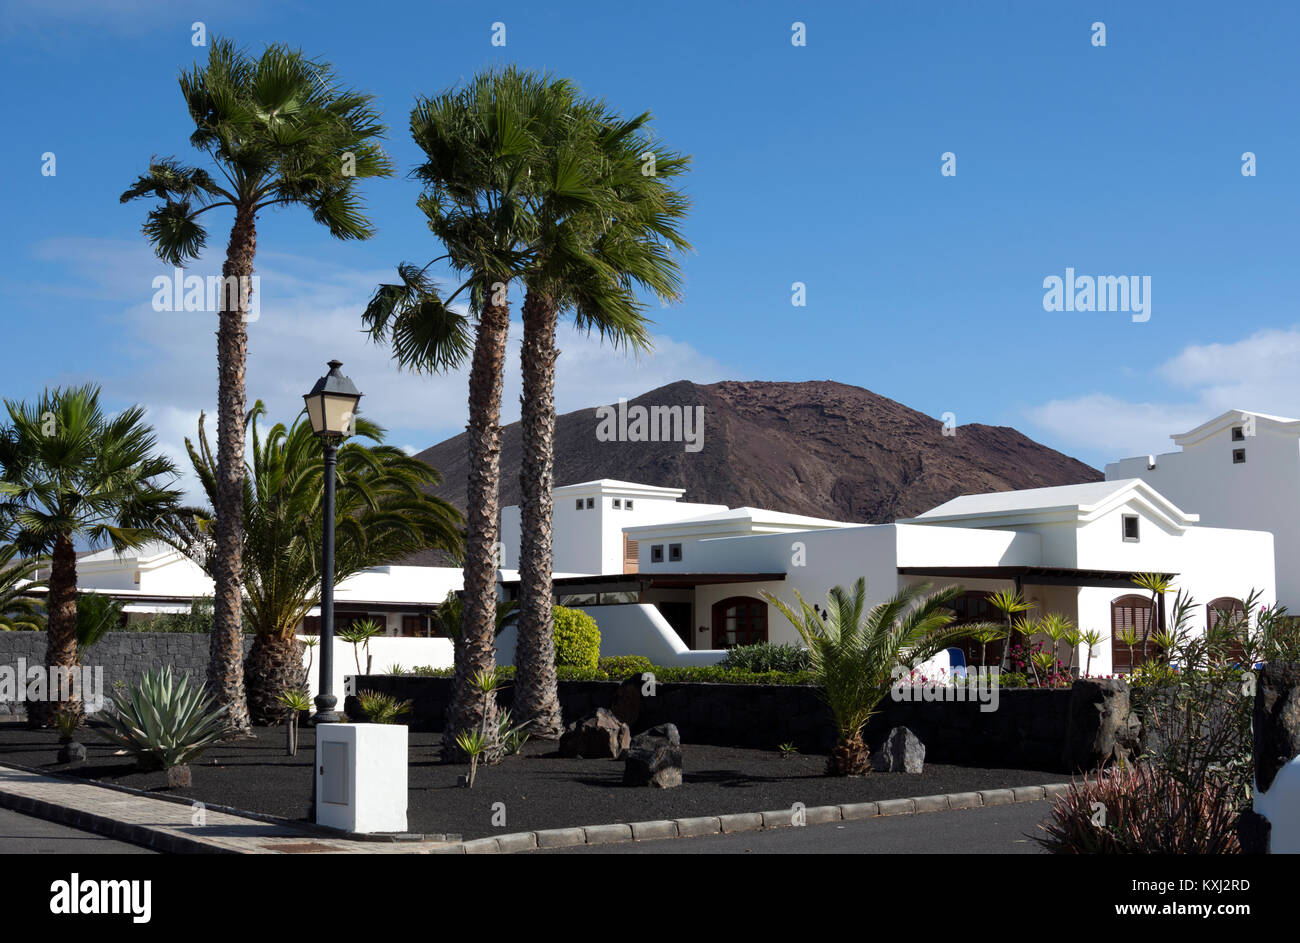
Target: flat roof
x=1035 y=575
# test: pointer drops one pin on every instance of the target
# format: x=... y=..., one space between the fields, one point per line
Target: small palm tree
x=994 y=633
x=279 y=130
x=70 y=473
x=359 y=634
x=1129 y=636
x=1092 y=638
x=854 y=653
x=19 y=610
x=1157 y=584
x=1010 y=604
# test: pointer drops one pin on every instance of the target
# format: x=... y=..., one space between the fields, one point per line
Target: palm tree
x=481 y=144
x=855 y=653
x=69 y=473
x=605 y=227
x=280 y=131
x=1157 y=584
x=19 y=610
x=1009 y=603
x=382 y=514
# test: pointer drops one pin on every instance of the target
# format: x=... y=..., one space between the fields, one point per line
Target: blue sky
x=817 y=164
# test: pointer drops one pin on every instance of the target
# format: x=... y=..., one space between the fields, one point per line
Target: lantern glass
x=332 y=404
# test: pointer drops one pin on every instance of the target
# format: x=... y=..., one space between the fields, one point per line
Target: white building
x=1240 y=469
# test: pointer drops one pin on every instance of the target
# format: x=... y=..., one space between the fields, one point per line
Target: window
x=627 y=504
x=1130 y=613
x=657 y=553
x=1130 y=527
x=579 y=504
x=1238 y=456
x=739 y=620
x=618 y=503
x=414 y=627
x=674 y=552
x=629 y=554
x=591 y=503
x=1238 y=434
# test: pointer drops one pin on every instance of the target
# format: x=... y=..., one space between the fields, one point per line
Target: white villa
x=1240 y=469
x=680 y=582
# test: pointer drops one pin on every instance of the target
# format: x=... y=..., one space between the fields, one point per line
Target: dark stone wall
x=124 y=656
x=1027 y=730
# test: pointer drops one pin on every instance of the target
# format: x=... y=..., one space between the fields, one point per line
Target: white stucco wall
x=384 y=652
x=631 y=629
x=1263 y=493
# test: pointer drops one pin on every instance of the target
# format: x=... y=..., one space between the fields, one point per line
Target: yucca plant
x=1157 y=584
x=295 y=702
x=855 y=653
x=1092 y=638
x=472 y=743
x=359 y=634
x=381 y=708
x=1129 y=637
x=993 y=633
x=512 y=737
x=164 y=722
x=1010 y=603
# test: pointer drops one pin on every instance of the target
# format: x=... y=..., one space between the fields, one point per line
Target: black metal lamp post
x=332 y=408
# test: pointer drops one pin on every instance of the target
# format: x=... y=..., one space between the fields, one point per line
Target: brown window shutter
x=629 y=554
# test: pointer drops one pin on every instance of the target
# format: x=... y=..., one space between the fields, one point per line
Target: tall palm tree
x=20 y=611
x=280 y=131
x=382 y=513
x=70 y=473
x=854 y=653
x=608 y=220
x=481 y=145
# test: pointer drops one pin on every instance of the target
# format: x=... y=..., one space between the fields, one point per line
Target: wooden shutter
x=629 y=554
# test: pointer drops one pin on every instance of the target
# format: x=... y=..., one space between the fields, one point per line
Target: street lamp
x=332 y=409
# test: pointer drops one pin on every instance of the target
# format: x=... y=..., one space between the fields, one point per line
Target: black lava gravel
x=536 y=789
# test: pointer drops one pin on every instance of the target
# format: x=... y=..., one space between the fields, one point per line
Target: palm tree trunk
x=226 y=652
x=537 y=701
x=274 y=666
x=476 y=650
x=61 y=625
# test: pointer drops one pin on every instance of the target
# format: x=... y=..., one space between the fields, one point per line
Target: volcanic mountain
x=820 y=448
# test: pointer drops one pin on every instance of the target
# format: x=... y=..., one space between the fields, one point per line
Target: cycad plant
x=382 y=514
x=164 y=722
x=279 y=130
x=855 y=652
x=20 y=611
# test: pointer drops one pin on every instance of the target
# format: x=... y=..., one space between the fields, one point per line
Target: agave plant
x=164 y=722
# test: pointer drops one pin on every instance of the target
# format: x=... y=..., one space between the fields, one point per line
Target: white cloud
x=310 y=313
x=1256 y=373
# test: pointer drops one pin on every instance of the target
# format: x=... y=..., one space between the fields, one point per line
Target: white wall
x=1262 y=493
x=384 y=652
x=630 y=629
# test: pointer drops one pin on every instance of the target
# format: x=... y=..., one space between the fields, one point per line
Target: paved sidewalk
x=169 y=826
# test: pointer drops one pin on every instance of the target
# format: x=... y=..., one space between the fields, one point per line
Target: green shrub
x=765 y=656
x=716 y=674
x=621 y=667
x=577 y=639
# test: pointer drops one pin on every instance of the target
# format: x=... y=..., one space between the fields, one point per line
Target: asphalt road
x=999 y=830
x=23 y=835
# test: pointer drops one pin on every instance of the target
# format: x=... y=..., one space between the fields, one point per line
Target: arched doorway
x=1130 y=612
x=739 y=620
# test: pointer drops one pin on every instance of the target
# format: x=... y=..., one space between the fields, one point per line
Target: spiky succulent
x=163 y=721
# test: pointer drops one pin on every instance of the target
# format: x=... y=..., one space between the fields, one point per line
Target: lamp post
x=332 y=408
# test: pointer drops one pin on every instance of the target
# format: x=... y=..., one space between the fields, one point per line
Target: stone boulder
x=902 y=752
x=598 y=735
x=654 y=758
x=1101 y=728
x=1276 y=722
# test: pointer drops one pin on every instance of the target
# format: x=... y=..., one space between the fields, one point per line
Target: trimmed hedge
x=577 y=639
x=621 y=667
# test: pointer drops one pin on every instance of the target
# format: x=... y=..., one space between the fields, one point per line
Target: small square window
x=674 y=552
x=627 y=505
x=657 y=553
x=579 y=504
x=1238 y=434
x=1130 y=527
x=1238 y=456
x=618 y=503
x=591 y=503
